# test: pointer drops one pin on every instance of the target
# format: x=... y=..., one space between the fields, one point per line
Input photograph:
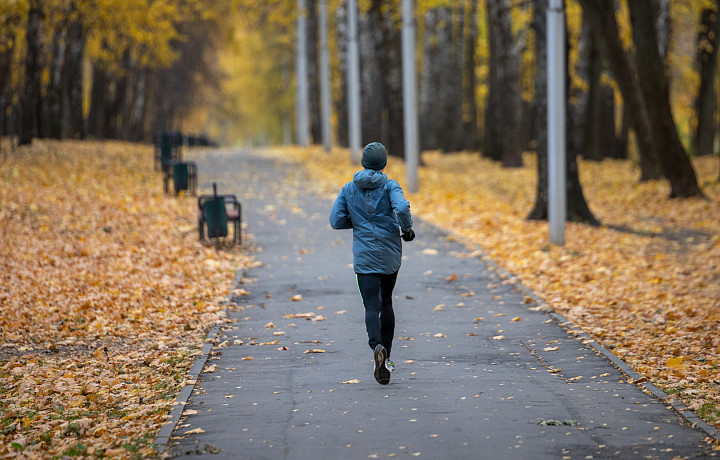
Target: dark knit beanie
x=374 y=156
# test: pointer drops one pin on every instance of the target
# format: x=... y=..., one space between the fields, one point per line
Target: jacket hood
x=369 y=179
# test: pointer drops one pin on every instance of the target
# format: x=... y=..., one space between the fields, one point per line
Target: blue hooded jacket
x=376 y=209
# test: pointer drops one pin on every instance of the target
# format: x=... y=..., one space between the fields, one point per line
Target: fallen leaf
x=517 y=318
x=498 y=337
x=296 y=298
x=452 y=277
x=440 y=335
x=270 y=325
x=195 y=431
x=430 y=251
x=210 y=369
x=409 y=361
x=314 y=350
x=551 y=348
x=439 y=307
x=676 y=363
x=317 y=318
x=352 y=381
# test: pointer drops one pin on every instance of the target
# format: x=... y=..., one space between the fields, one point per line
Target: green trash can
x=180 y=177
x=166 y=149
x=216 y=217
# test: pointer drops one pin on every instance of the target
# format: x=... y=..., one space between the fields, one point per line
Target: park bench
x=214 y=213
x=183 y=175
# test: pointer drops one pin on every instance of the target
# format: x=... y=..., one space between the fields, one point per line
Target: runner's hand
x=409 y=235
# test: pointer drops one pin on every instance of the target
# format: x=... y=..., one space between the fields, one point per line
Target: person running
x=375 y=208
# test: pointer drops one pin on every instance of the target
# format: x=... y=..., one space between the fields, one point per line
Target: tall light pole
x=324 y=77
x=410 y=95
x=353 y=83
x=557 y=183
x=301 y=76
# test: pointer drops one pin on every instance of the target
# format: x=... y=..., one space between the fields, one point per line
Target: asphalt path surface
x=482 y=372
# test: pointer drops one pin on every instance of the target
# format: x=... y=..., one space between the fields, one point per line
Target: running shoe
x=390 y=365
x=382 y=374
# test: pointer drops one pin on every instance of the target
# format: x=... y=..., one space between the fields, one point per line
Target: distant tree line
x=126 y=69
x=476 y=92
x=104 y=69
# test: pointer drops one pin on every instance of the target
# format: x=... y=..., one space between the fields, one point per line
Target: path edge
x=162 y=440
x=632 y=375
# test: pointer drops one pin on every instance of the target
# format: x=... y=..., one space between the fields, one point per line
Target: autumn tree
x=655 y=90
x=577 y=208
x=32 y=91
x=708 y=42
x=11 y=17
x=601 y=19
x=503 y=107
x=441 y=81
x=381 y=75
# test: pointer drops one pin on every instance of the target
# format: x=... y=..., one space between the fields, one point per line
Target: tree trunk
x=98 y=104
x=621 y=145
x=429 y=82
x=593 y=147
x=577 y=208
x=382 y=79
x=503 y=111
x=470 y=116
x=341 y=103
x=74 y=79
x=55 y=87
x=602 y=21
x=707 y=47
x=539 y=26
x=312 y=72
x=673 y=159
x=7 y=49
x=441 y=86
x=452 y=91
x=32 y=93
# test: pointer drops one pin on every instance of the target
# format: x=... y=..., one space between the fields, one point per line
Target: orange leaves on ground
x=105 y=294
x=646 y=284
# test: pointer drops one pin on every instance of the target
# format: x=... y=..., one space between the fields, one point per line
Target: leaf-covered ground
x=105 y=298
x=646 y=284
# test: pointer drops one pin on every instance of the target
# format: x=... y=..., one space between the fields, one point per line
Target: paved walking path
x=478 y=368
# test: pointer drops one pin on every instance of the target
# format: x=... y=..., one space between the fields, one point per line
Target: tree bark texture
x=503 y=109
x=655 y=89
x=705 y=105
x=602 y=21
